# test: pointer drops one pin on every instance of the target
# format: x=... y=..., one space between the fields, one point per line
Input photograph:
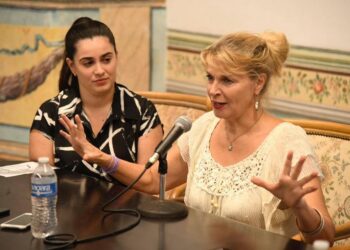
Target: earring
x=257 y=105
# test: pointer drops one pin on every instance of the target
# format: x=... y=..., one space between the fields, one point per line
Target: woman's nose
x=99 y=69
x=213 y=88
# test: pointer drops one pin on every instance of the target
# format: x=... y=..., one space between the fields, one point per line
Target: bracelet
x=113 y=166
x=315 y=231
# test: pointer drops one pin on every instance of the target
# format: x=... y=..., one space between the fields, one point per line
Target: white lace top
x=227 y=191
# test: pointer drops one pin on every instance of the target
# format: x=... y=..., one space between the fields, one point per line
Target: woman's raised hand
x=76 y=136
x=289 y=189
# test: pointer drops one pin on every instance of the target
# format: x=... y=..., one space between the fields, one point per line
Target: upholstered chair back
x=172 y=105
x=331 y=142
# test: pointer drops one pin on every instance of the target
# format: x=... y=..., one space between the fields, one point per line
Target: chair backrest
x=331 y=142
x=172 y=105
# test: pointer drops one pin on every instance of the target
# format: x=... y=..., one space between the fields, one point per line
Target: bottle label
x=44 y=190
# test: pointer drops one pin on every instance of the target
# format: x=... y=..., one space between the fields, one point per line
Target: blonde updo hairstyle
x=248 y=54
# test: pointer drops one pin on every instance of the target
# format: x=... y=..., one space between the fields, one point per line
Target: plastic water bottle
x=44 y=199
x=320 y=245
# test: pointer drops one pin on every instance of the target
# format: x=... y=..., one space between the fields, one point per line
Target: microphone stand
x=161 y=208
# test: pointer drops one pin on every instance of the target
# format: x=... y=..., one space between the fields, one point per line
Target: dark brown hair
x=82 y=28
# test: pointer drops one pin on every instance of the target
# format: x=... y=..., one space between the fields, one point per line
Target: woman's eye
x=227 y=80
x=87 y=63
x=209 y=77
x=107 y=60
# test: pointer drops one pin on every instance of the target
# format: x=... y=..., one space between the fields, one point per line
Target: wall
x=316 y=80
x=31 y=54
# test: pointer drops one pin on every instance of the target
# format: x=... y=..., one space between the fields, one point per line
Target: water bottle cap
x=43 y=159
x=320 y=244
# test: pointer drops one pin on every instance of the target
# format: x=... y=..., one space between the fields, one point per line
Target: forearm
x=314 y=224
x=126 y=172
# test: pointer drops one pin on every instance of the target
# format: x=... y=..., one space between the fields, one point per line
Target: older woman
x=239 y=161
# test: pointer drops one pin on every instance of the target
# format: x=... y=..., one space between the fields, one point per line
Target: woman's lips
x=218 y=105
x=101 y=81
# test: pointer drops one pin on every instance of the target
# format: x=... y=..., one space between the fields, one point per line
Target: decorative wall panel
x=314 y=83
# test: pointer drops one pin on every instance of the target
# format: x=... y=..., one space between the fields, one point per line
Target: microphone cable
x=65 y=240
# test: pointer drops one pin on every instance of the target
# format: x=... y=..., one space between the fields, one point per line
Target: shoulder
x=203 y=125
x=54 y=102
x=289 y=130
x=205 y=119
x=130 y=97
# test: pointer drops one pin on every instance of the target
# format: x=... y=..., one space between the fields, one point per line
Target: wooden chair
x=331 y=142
x=172 y=105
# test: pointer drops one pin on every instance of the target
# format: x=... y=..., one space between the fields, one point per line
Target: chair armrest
x=342 y=231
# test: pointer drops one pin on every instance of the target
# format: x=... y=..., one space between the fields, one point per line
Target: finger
x=63 y=122
x=65 y=135
x=78 y=122
x=68 y=124
x=307 y=178
x=298 y=168
x=288 y=164
x=261 y=183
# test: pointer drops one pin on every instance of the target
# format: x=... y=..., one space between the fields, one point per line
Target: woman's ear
x=71 y=66
x=260 y=83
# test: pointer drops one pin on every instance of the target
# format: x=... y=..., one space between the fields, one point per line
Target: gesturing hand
x=76 y=136
x=289 y=189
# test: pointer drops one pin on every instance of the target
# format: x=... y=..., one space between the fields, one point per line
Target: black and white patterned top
x=132 y=116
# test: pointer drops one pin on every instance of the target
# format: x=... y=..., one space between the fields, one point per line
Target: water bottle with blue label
x=44 y=199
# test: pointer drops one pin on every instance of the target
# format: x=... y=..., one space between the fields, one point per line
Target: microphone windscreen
x=184 y=122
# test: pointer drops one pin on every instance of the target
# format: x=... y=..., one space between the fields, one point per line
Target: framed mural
x=31 y=52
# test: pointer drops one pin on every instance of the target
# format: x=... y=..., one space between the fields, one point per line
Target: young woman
x=115 y=120
x=239 y=161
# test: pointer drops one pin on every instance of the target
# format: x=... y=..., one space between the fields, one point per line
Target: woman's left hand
x=289 y=189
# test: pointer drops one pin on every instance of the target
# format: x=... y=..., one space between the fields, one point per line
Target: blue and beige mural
x=31 y=51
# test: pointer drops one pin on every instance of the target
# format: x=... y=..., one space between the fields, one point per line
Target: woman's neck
x=93 y=102
x=244 y=123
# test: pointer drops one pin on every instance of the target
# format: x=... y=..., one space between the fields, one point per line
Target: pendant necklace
x=230 y=146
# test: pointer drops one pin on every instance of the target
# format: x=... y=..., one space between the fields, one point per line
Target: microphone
x=182 y=125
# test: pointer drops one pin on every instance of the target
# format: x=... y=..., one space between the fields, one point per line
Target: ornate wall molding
x=315 y=83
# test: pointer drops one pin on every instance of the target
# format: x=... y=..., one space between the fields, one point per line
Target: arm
x=307 y=217
x=127 y=171
x=148 y=144
x=303 y=197
x=39 y=146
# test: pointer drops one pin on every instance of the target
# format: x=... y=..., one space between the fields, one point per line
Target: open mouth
x=218 y=105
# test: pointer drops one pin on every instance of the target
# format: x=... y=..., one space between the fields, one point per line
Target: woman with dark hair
x=119 y=123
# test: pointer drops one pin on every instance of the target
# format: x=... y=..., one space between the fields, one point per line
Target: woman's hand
x=289 y=189
x=76 y=136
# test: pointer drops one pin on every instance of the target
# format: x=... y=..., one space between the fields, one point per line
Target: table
x=79 y=211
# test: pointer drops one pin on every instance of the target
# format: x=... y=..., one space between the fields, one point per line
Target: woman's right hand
x=75 y=135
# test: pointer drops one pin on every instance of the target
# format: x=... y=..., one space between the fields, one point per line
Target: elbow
x=148 y=184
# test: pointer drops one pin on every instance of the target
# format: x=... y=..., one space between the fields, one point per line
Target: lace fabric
x=222 y=181
x=227 y=191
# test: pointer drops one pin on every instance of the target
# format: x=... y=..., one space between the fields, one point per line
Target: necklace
x=230 y=147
